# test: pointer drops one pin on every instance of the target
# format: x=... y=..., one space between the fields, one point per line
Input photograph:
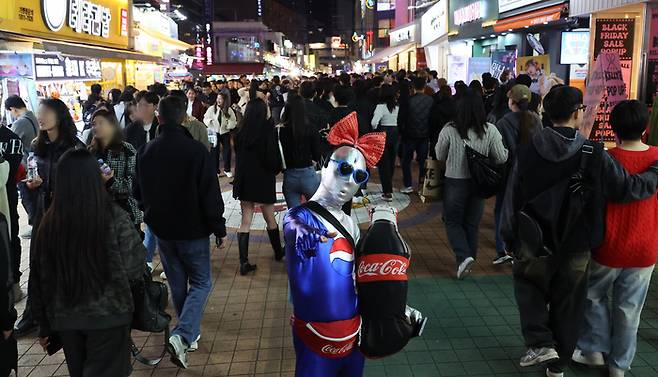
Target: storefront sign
x=405 y=34
x=508 y=5
x=56 y=67
x=13 y=65
x=502 y=61
x=605 y=89
x=575 y=47
x=434 y=23
x=469 y=13
x=100 y=22
x=465 y=17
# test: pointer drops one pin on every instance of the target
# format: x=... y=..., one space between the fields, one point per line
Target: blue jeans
x=409 y=146
x=150 y=243
x=298 y=182
x=187 y=265
x=462 y=212
x=613 y=330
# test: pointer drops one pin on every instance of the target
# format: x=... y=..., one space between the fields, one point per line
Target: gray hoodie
x=27 y=128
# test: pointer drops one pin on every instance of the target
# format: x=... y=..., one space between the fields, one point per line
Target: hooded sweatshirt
x=553 y=156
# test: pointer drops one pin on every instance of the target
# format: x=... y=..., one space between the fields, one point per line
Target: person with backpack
x=221 y=119
x=553 y=217
x=463 y=206
x=86 y=255
x=183 y=206
x=276 y=100
x=255 y=180
x=517 y=128
x=624 y=263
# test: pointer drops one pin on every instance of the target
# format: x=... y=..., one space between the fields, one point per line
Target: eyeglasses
x=345 y=169
x=581 y=107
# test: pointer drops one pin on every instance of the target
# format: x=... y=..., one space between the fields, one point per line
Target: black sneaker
x=502 y=259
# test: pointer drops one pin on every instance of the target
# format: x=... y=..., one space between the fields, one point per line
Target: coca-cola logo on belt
x=382 y=267
x=331 y=349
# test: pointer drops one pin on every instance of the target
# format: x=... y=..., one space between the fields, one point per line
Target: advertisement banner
x=457 y=68
x=476 y=67
x=52 y=67
x=605 y=89
x=617 y=36
x=537 y=67
x=503 y=60
x=14 y=65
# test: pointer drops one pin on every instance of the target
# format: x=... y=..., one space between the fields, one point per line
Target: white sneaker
x=163 y=276
x=195 y=344
x=465 y=268
x=536 y=356
x=616 y=372
x=229 y=174
x=178 y=350
x=407 y=190
x=594 y=359
x=554 y=374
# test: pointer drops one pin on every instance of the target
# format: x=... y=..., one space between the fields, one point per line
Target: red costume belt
x=329 y=339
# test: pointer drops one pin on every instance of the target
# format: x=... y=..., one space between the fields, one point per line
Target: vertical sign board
x=614 y=36
x=501 y=61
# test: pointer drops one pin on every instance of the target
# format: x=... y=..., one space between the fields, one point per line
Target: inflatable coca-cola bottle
x=382 y=262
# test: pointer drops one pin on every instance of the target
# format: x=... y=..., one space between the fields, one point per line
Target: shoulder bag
x=487 y=175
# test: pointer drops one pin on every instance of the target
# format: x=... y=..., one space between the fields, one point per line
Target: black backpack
x=541 y=230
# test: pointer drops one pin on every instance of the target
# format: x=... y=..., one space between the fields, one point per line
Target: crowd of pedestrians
x=142 y=177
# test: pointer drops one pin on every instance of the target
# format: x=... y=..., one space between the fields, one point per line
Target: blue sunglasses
x=345 y=169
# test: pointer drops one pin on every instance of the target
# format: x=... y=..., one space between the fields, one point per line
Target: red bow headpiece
x=346 y=131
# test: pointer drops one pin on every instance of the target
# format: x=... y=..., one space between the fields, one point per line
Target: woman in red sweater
x=624 y=263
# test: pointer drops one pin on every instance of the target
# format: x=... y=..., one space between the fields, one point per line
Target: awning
x=80 y=49
x=234 y=69
x=387 y=53
x=171 y=42
x=534 y=18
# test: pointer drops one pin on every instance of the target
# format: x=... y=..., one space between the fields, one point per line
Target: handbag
x=487 y=175
x=434 y=180
x=150 y=298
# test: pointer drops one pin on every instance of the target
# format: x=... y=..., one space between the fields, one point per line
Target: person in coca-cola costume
x=381 y=275
x=320 y=259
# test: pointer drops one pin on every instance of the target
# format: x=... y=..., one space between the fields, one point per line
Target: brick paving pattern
x=473 y=327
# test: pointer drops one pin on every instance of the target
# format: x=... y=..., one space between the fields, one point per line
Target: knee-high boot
x=243 y=247
x=275 y=241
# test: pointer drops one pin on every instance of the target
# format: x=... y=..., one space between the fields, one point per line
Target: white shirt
x=189 y=108
x=147 y=128
x=384 y=117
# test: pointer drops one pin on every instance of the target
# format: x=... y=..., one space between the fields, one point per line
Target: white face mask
x=336 y=189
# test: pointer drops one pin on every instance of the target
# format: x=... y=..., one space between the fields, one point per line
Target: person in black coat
x=57 y=134
x=8 y=346
x=145 y=128
x=443 y=112
x=254 y=181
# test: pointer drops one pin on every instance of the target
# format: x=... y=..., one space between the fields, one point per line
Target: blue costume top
x=322 y=285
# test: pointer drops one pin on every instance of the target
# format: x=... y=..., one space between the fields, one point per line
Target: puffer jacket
x=114 y=307
x=417 y=125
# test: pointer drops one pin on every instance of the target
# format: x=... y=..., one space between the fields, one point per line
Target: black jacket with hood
x=553 y=156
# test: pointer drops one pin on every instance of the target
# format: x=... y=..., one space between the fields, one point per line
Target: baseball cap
x=519 y=93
